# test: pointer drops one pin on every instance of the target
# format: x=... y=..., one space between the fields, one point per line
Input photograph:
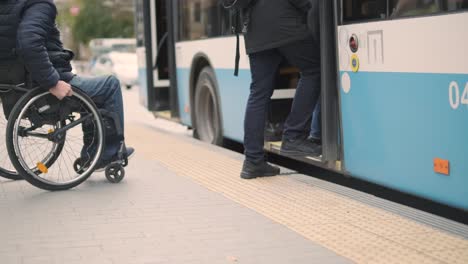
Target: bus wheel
x=207 y=117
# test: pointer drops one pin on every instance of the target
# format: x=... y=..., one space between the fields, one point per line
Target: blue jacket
x=38 y=44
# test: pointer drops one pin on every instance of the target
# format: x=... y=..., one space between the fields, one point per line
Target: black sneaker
x=101 y=166
x=300 y=147
x=314 y=140
x=129 y=153
x=273 y=132
x=254 y=170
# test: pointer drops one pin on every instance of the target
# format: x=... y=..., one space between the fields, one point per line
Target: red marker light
x=354 y=43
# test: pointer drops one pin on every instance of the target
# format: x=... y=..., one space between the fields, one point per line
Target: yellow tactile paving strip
x=354 y=230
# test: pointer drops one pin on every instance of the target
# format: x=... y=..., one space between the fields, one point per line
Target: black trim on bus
x=337 y=19
x=338 y=12
x=172 y=33
x=149 y=55
x=331 y=127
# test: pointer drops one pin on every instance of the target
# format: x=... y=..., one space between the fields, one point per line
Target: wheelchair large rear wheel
x=6 y=168
x=33 y=129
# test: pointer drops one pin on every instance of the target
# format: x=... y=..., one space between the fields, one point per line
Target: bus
x=394 y=87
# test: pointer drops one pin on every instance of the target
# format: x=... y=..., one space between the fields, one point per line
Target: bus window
x=403 y=8
x=356 y=10
x=201 y=19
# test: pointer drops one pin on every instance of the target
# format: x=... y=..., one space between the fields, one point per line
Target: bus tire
x=207 y=114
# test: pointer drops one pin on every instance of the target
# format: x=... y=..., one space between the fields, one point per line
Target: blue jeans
x=106 y=94
x=264 y=66
x=316 y=129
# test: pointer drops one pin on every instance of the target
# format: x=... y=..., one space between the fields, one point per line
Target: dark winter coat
x=28 y=31
x=275 y=23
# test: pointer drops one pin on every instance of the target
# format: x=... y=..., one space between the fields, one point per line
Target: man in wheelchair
x=30 y=40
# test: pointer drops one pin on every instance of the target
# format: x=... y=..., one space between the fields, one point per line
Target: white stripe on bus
x=435 y=44
x=220 y=51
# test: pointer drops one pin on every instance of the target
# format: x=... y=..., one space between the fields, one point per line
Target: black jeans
x=264 y=66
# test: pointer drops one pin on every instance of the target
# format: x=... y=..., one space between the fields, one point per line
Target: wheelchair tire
x=7 y=174
x=7 y=170
x=33 y=175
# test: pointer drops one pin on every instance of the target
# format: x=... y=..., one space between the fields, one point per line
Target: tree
x=98 y=21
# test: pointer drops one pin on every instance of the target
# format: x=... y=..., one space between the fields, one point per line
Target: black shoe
x=101 y=166
x=129 y=153
x=317 y=141
x=254 y=170
x=300 y=147
x=273 y=132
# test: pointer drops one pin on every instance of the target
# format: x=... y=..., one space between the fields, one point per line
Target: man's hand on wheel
x=61 y=90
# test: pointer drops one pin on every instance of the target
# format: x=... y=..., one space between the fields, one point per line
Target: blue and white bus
x=394 y=86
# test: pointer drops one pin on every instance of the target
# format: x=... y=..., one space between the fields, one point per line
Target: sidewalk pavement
x=153 y=216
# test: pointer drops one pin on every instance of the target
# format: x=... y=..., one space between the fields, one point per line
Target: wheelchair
x=55 y=144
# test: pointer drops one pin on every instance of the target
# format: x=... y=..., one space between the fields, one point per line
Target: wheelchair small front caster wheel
x=115 y=173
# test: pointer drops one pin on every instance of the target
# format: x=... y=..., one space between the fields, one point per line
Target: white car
x=122 y=65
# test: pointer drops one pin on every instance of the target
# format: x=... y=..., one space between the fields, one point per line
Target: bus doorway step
x=275 y=147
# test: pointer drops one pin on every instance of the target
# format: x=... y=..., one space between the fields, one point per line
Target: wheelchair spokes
x=37 y=149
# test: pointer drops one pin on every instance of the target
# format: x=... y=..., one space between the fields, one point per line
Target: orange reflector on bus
x=42 y=167
x=442 y=166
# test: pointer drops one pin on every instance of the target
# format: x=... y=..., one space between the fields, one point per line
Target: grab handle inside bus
x=161 y=44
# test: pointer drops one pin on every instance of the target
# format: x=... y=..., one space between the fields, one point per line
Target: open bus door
x=160 y=91
x=280 y=106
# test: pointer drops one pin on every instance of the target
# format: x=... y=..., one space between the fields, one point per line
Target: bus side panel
x=404 y=98
x=234 y=95
x=142 y=76
x=183 y=92
x=233 y=91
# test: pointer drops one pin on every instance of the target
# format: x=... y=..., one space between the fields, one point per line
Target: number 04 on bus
x=454 y=95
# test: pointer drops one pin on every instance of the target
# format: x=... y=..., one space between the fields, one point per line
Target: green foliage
x=98 y=21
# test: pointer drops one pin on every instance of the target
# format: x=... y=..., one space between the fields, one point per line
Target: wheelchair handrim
x=25 y=166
